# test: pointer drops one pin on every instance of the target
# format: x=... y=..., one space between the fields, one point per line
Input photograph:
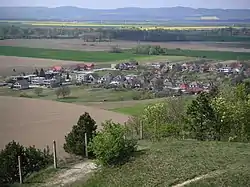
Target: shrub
x=58 y=92
x=38 y=91
x=62 y=91
x=133 y=126
x=154 y=119
x=75 y=140
x=115 y=49
x=65 y=91
x=165 y=119
x=110 y=147
x=24 y=94
x=32 y=160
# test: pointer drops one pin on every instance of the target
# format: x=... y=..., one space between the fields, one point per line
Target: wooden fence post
x=141 y=130
x=86 y=145
x=20 y=170
x=54 y=154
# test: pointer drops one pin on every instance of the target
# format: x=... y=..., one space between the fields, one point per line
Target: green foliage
x=110 y=147
x=38 y=91
x=220 y=55
x=24 y=94
x=201 y=116
x=62 y=91
x=75 y=140
x=65 y=91
x=221 y=116
x=115 y=49
x=163 y=119
x=142 y=95
x=234 y=113
x=32 y=160
x=149 y=50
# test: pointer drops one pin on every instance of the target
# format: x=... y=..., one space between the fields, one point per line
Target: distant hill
x=129 y=14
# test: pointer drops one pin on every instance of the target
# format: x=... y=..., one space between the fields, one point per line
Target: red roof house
x=57 y=68
x=184 y=86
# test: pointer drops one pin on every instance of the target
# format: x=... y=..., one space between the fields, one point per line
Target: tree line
x=8 y=31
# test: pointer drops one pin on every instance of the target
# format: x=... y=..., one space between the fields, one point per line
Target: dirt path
x=212 y=174
x=69 y=176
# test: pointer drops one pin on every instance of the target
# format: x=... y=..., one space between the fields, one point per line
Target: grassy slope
x=133 y=110
x=78 y=94
x=87 y=56
x=137 y=108
x=172 y=162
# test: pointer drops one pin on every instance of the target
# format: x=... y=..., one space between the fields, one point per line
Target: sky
x=110 y=4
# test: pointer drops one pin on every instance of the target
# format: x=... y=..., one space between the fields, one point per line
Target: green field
x=133 y=110
x=102 y=56
x=87 y=56
x=79 y=95
x=171 y=162
x=218 y=55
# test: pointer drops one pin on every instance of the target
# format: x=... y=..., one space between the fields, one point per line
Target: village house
x=80 y=67
x=57 y=68
x=225 y=70
x=126 y=66
x=21 y=84
x=107 y=78
x=82 y=76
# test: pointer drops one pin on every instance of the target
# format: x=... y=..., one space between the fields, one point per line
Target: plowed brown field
x=80 y=45
x=25 y=64
x=39 y=122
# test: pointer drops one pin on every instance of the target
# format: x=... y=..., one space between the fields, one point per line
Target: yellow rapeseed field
x=127 y=26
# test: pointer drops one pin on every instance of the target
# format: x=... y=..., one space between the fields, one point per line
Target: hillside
x=129 y=14
x=172 y=162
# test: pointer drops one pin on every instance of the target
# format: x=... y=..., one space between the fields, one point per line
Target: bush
x=38 y=91
x=110 y=147
x=24 y=94
x=133 y=126
x=142 y=95
x=32 y=160
x=75 y=140
x=165 y=119
x=62 y=91
x=115 y=49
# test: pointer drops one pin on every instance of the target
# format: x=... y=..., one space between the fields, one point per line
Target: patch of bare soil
x=39 y=122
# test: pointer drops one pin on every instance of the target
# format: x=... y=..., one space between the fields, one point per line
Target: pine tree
x=75 y=140
x=42 y=73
